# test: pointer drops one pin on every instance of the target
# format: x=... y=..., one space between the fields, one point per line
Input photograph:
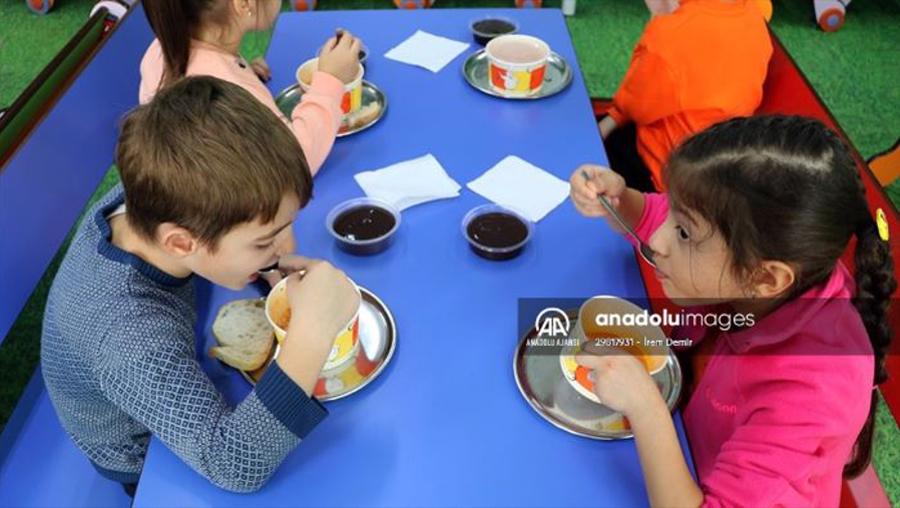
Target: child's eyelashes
x=683 y=233
x=264 y=246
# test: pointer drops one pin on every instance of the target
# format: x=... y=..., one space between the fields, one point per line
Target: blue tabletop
x=445 y=424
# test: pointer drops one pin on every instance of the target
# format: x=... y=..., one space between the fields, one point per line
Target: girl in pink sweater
x=758 y=213
x=202 y=37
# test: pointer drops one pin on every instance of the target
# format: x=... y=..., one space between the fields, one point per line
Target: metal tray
x=557 y=77
x=542 y=383
x=288 y=99
x=377 y=342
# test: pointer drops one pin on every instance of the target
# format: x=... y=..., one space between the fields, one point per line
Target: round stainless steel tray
x=544 y=386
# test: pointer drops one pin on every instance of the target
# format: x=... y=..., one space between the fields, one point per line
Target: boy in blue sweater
x=211 y=184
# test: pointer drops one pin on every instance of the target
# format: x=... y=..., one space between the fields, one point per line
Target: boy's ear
x=176 y=240
x=773 y=279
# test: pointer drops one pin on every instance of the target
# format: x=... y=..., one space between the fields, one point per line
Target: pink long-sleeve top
x=315 y=120
x=778 y=409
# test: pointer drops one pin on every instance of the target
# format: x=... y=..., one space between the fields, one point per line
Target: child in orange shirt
x=697 y=63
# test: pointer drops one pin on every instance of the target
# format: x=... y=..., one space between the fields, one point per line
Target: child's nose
x=659 y=243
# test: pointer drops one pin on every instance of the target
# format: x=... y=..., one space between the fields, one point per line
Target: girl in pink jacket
x=758 y=213
x=202 y=37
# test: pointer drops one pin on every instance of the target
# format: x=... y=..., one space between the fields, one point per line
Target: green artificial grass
x=28 y=42
x=886 y=452
x=893 y=192
x=855 y=71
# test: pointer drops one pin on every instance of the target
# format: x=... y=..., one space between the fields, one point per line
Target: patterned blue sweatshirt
x=119 y=361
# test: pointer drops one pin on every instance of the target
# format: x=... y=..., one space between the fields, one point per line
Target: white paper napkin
x=522 y=186
x=427 y=50
x=409 y=183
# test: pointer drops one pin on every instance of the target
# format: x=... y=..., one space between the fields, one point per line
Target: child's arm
x=607 y=124
x=666 y=474
x=317 y=118
x=622 y=383
x=328 y=300
x=261 y=69
x=157 y=381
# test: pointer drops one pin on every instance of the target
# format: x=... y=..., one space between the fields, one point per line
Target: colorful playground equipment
x=830 y=14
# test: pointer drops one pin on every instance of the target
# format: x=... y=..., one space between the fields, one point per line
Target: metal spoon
x=274 y=268
x=645 y=250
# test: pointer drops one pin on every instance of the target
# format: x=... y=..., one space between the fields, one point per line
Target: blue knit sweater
x=119 y=361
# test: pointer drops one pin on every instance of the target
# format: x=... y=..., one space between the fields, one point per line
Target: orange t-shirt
x=702 y=64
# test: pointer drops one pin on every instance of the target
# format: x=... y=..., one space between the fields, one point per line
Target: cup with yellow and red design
x=600 y=331
x=278 y=312
x=352 y=99
x=517 y=64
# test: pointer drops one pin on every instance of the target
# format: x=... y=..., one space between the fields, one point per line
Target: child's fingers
x=347 y=40
x=596 y=178
x=272 y=277
x=592 y=362
x=261 y=63
x=328 y=46
x=593 y=171
x=584 y=192
x=588 y=205
x=584 y=211
x=580 y=185
x=261 y=69
x=294 y=263
x=355 y=46
x=293 y=280
x=586 y=199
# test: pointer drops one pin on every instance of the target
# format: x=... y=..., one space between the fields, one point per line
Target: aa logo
x=552 y=322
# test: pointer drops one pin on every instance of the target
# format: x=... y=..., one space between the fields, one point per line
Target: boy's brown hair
x=206 y=155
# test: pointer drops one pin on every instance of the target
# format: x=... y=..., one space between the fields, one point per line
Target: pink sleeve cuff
x=656 y=208
x=326 y=84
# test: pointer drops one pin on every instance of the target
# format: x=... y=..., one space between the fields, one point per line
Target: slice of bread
x=244 y=335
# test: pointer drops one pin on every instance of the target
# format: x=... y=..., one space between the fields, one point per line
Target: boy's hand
x=602 y=181
x=340 y=58
x=262 y=70
x=322 y=299
x=622 y=383
x=606 y=126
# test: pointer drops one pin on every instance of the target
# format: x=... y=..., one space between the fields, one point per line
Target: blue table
x=444 y=425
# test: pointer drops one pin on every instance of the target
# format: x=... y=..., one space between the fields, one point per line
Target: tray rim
x=365 y=82
x=671 y=401
x=392 y=347
x=567 y=80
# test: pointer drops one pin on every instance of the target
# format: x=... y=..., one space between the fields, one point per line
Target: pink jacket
x=315 y=121
x=775 y=416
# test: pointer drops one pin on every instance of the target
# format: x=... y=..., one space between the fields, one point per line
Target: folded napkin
x=426 y=50
x=409 y=183
x=522 y=186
